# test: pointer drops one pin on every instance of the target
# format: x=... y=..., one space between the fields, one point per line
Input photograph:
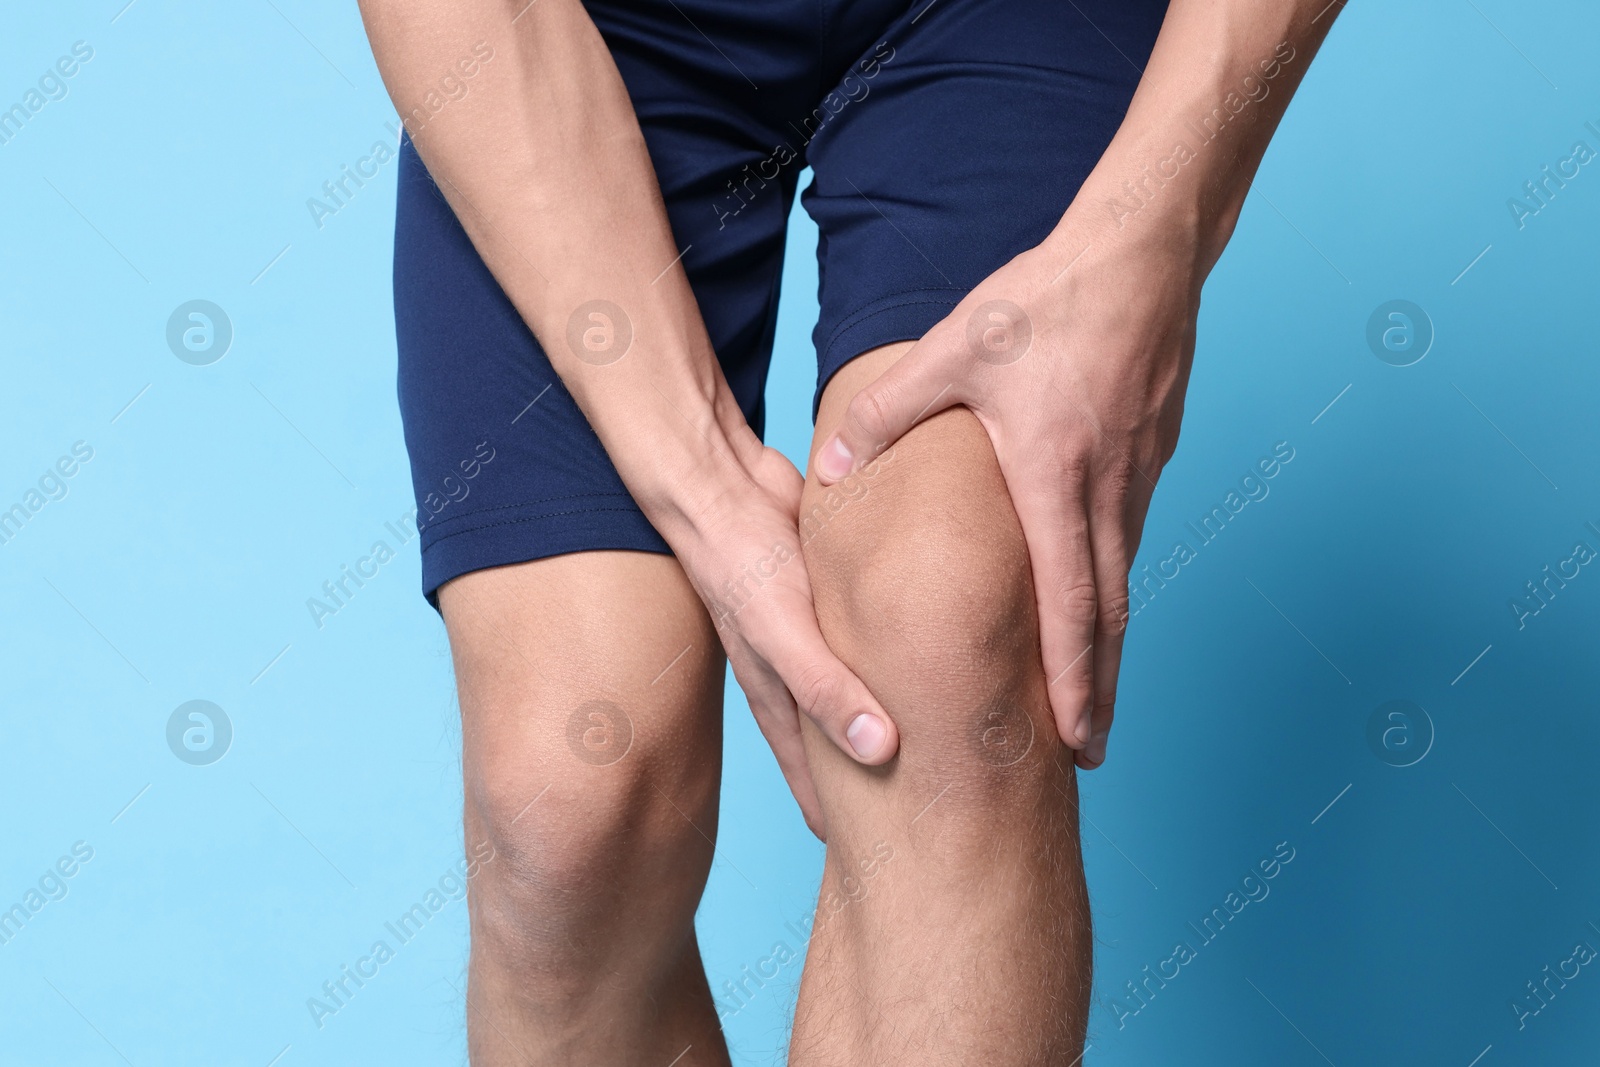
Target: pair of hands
x=1075 y=357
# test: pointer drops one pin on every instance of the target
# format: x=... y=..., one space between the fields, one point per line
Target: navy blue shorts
x=944 y=139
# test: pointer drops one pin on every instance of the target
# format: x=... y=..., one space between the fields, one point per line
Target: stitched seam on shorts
x=985 y=64
x=860 y=317
x=518 y=522
x=463 y=515
x=895 y=301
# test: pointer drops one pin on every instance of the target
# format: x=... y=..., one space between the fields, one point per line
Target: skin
x=583 y=946
x=972 y=944
x=1003 y=514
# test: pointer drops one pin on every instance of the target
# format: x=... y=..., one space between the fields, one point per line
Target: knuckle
x=1172 y=431
x=1117 y=481
x=871 y=413
x=1078 y=601
x=1113 y=614
x=816 y=690
x=1073 y=460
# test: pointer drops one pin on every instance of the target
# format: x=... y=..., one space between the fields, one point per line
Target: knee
x=597 y=824
x=923 y=587
x=926 y=589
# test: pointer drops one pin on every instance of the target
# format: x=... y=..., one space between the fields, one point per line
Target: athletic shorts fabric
x=944 y=138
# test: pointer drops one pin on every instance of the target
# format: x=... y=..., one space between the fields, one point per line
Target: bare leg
x=591 y=694
x=971 y=943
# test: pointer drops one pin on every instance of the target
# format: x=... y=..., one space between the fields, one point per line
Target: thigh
x=505 y=467
x=962 y=149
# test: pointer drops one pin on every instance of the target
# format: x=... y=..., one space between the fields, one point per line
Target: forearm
x=1217 y=84
x=544 y=164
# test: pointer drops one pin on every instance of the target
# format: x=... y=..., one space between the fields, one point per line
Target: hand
x=1075 y=357
x=744 y=559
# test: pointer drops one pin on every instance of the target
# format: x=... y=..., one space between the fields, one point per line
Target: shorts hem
x=526 y=532
x=904 y=316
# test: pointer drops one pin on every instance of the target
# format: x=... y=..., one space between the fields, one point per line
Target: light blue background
x=1383 y=561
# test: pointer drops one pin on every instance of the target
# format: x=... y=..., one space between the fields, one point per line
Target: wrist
x=1179 y=168
x=684 y=458
x=1157 y=200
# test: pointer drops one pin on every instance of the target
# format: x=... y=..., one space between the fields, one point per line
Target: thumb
x=827 y=693
x=916 y=387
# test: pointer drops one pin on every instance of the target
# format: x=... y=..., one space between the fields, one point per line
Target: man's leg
x=970 y=943
x=591 y=703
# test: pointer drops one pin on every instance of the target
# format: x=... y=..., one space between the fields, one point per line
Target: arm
x=545 y=166
x=1076 y=354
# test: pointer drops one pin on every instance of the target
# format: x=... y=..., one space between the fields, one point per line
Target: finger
x=1109 y=545
x=1134 y=509
x=919 y=385
x=778 y=720
x=1055 y=525
x=776 y=717
x=824 y=689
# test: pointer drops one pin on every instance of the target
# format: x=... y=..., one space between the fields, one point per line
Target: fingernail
x=834 y=461
x=866 y=734
x=1097 y=749
x=1082 y=731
